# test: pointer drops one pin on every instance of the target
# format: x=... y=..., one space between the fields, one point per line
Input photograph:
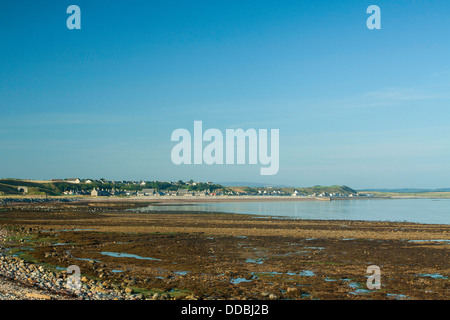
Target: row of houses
x=150 y=192
x=179 y=192
x=88 y=181
x=126 y=182
x=185 y=192
x=333 y=194
x=72 y=180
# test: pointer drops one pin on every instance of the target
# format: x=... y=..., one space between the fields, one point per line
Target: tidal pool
x=127 y=255
x=239 y=280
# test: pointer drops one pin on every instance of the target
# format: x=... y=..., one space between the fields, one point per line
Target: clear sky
x=365 y=108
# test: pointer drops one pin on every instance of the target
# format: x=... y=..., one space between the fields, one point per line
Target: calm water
x=409 y=210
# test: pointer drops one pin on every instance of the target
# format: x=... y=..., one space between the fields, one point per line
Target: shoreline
x=140 y=202
x=195 y=198
x=191 y=256
x=199 y=199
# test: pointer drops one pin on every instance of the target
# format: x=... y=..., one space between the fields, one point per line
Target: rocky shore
x=5 y=201
x=127 y=255
x=24 y=280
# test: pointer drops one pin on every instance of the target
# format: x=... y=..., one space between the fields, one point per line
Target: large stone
x=38 y=296
x=129 y=290
x=165 y=296
x=157 y=296
x=291 y=290
x=102 y=290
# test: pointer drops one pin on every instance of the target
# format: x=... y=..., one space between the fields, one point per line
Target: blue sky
x=365 y=108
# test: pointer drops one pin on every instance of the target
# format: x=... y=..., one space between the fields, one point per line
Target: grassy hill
x=9 y=187
x=306 y=191
x=324 y=189
x=6 y=189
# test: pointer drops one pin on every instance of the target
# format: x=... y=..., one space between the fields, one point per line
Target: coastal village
x=141 y=188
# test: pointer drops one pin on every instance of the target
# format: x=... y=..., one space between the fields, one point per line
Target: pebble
x=23 y=280
x=128 y=290
x=156 y=296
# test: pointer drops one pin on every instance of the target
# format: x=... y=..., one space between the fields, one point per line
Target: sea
x=426 y=211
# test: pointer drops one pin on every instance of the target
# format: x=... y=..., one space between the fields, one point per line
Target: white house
x=73 y=180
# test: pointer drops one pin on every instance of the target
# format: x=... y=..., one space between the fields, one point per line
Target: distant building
x=24 y=190
x=95 y=193
x=73 y=180
x=184 y=192
x=148 y=192
x=203 y=193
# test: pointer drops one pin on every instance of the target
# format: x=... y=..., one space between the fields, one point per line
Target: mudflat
x=199 y=255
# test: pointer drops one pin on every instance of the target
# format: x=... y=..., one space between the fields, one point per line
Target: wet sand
x=229 y=256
